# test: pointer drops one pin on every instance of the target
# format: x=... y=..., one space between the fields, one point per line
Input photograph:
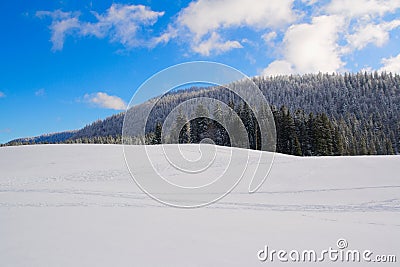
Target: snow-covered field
x=76 y=205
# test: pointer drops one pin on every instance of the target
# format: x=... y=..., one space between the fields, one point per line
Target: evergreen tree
x=199 y=126
x=217 y=128
x=157 y=134
x=182 y=128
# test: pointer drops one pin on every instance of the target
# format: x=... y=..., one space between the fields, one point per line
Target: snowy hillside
x=76 y=205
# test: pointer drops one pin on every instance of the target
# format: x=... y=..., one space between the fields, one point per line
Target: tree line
x=315 y=114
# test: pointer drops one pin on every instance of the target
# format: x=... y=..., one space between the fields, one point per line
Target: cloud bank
x=120 y=23
x=305 y=36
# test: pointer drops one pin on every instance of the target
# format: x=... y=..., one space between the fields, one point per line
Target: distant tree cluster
x=297 y=134
x=109 y=139
x=318 y=135
x=42 y=139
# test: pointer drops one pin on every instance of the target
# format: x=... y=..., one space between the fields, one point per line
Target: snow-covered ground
x=76 y=205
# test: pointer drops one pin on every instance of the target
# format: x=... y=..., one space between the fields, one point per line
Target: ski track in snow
x=122 y=199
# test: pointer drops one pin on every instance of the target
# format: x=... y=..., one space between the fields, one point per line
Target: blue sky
x=67 y=63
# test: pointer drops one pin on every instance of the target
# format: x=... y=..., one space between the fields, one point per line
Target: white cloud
x=120 y=23
x=202 y=22
x=250 y=58
x=269 y=37
x=40 y=92
x=63 y=23
x=309 y=2
x=2 y=95
x=391 y=64
x=165 y=37
x=362 y=8
x=278 y=67
x=205 y=16
x=310 y=48
x=367 y=69
x=104 y=100
x=364 y=23
x=318 y=46
x=248 y=42
x=377 y=34
x=214 y=43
